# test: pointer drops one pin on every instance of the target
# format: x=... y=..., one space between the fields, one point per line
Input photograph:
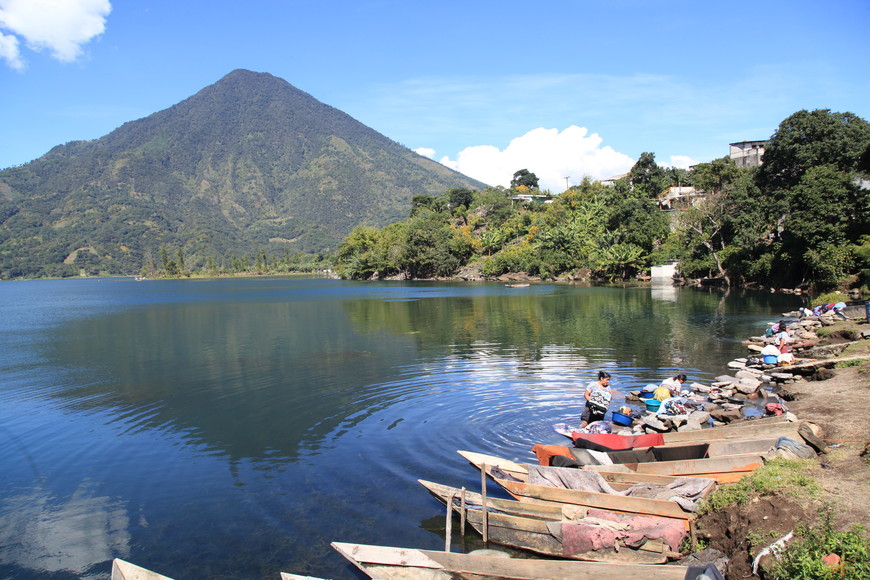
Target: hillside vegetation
x=800 y=219
x=247 y=166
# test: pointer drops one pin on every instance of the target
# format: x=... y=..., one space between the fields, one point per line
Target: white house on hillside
x=747 y=153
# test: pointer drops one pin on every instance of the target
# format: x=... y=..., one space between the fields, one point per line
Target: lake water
x=233 y=428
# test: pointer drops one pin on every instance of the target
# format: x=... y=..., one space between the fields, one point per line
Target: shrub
x=803 y=557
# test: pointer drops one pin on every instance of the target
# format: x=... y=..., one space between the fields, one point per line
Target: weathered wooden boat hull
x=713 y=449
x=765 y=427
x=524 y=525
x=123 y=570
x=615 y=442
x=726 y=469
x=404 y=564
x=768 y=428
x=538 y=493
x=619 y=479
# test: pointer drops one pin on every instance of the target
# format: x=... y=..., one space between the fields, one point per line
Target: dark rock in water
x=726 y=416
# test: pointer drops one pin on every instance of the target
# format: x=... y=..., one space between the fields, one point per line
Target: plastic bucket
x=646 y=394
x=652 y=404
x=621 y=419
x=770 y=359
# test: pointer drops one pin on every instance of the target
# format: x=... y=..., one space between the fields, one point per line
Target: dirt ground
x=837 y=403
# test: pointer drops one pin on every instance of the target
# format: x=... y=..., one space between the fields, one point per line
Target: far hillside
x=248 y=167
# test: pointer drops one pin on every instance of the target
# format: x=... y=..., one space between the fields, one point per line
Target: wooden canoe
x=527 y=492
x=728 y=469
x=525 y=526
x=767 y=428
x=764 y=428
x=615 y=441
x=288 y=576
x=123 y=570
x=618 y=479
x=390 y=563
x=716 y=448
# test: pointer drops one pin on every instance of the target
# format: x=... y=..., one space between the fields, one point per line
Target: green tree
x=638 y=222
x=356 y=257
x=170 y=267
x=829 y=212
x=494 y=206
x=811 y=138
x=421 y=202
x=460 y=196
x=526 y=178
x=427 y=251
x=646 y=178
x=714 y=176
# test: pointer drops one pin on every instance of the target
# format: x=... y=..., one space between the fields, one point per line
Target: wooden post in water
x=462 y=517
x=483 y=504
x=448 y=533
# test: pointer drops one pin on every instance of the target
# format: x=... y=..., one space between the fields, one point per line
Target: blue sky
x=564 y=88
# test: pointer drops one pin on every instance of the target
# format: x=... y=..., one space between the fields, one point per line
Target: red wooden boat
x=615 y=442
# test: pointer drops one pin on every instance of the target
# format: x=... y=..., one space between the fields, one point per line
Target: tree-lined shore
x=799 y=220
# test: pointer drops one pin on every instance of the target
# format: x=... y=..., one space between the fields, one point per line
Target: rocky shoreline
x=828 y=395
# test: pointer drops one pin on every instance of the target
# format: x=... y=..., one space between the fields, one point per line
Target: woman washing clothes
x=670 y=388
x=782 y=339
x=597 y=395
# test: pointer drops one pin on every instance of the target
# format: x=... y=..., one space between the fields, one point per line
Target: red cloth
x=615 y=441
x=546 y=452
x=578 y=537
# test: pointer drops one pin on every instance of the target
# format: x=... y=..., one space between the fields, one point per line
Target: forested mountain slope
x=247 y=165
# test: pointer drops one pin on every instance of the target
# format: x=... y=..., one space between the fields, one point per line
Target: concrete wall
x=663 y=273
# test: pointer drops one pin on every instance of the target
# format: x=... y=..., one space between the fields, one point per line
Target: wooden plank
x=748 y=431
x=616 y=503
x=123 y=570
x=696 y=467
x=381 y=560
x=626 y=478
x=441 y=492
x=478 y=459
x=724 y=447
x=362 y=553
x=719 y=477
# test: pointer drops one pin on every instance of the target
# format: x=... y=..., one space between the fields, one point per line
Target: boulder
x=652 y=422
x=747 y=386
x=691 y=425
x=726 y=416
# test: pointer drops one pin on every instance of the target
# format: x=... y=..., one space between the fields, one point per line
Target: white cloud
x=425 y=152
x=9 y=51
x=59 y=26
x=550 y=154
x=681 y=162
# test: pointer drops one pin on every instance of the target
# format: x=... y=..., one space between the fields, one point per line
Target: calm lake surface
x=233 y=428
